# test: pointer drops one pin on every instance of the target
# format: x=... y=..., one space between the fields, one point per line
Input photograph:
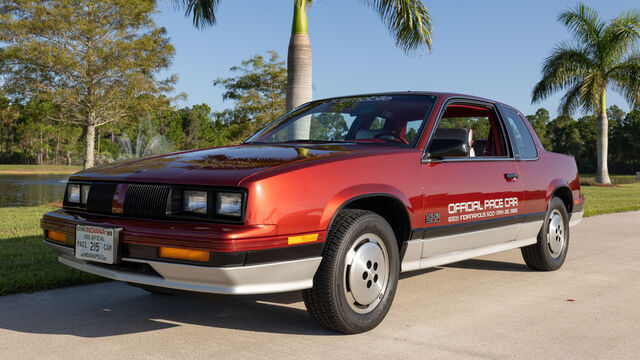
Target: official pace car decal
x=478 y=209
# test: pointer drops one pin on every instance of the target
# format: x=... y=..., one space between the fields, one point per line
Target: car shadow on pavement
x=406 y=275
x=113 y=308
x=482 y=264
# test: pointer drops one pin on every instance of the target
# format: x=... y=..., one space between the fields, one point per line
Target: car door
x=471 y=200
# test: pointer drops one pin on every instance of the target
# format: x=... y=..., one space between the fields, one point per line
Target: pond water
x=31 y=190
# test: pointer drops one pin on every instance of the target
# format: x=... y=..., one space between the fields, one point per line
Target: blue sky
x=492 y=49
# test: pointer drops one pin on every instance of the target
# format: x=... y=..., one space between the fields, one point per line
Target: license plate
x=97 y=243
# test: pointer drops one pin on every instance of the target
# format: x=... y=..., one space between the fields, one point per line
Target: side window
x=474 y=129
x=520 y=134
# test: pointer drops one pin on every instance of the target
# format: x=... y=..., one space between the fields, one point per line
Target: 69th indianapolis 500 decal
x=482 y=209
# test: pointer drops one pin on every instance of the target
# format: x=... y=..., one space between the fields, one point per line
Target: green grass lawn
x=26 y=264
x=615 y=179
x=38 y=169
x=605 y=200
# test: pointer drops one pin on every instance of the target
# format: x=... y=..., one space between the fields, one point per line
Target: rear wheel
x=553 y=239
x=357 y=279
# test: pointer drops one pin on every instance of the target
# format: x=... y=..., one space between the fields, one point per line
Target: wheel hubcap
x=366 y=273
x=556 y=233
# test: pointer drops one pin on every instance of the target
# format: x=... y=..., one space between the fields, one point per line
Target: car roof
x=419 y=92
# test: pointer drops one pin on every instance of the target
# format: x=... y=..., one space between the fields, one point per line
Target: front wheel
x=553 y=239
x=357 y=279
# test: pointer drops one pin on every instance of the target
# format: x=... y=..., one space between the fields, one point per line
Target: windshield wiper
x=313 y=141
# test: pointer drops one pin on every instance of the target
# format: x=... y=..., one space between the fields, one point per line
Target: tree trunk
x=298 y=71
x=602 y=143
x=89 y=144
x=55 y=159
x=40 y=159
x=299 y=84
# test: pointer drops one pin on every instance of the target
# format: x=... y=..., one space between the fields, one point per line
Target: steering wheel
x=391 y=134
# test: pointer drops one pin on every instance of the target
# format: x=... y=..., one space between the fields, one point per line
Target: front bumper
x=243 y=259
x=253 y=279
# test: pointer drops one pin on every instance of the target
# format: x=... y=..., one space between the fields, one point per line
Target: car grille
x=146 y=200
x=100 y=199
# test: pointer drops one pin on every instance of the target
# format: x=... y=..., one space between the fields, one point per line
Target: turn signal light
x=293 y=240
x=183 y=254
x=56 y=236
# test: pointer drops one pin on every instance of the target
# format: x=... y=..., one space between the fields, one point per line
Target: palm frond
x=566 y=66
x=408 y=21
x=572 y=100
x=622 y=33
x=593 y=85
x=625 y=79
x=203 y=12
x=584 y=23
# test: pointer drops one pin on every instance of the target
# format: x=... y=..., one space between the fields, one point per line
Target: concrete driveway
x=488 y=308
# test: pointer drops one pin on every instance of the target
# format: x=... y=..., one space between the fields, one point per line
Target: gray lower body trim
x=576 y=218
x=456 y=256
x=256 y=279
x=441 y=250
x=439 y=245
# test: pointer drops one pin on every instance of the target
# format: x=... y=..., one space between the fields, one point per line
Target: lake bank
x=6 y=169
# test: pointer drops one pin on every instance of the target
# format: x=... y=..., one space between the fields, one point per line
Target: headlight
x=229 y=204
x=78 y=193
x=73 y=193
x=84 y=193
x=194 y=202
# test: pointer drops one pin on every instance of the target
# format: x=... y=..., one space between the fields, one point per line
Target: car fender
x=348 y=195
x=554 y=186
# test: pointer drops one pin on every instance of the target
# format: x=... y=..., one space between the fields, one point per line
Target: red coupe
x=335 y=198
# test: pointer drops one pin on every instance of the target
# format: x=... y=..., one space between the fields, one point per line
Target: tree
x=602 y=56
x=258 y=93
x=626 y=143
x=539 y=123
x=407 y=20
x=94 y=59
x=8 y=115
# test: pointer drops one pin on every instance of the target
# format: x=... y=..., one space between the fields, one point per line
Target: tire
x=356 y=281
x=550 y=251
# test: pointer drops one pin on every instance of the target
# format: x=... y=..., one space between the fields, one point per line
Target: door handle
x=510 y=176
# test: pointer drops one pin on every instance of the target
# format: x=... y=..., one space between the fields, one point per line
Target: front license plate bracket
x=97 y=243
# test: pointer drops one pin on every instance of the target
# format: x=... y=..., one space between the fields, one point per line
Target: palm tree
x=407 y=20
x=602 y=55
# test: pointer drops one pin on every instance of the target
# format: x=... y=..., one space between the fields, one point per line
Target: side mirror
x=441 y=148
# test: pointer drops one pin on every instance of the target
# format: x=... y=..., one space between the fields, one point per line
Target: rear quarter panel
x=542 y=176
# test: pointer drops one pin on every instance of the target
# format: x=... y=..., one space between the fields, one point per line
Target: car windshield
x=386 y=119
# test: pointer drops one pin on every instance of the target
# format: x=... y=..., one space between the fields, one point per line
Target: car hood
x=224 y=166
